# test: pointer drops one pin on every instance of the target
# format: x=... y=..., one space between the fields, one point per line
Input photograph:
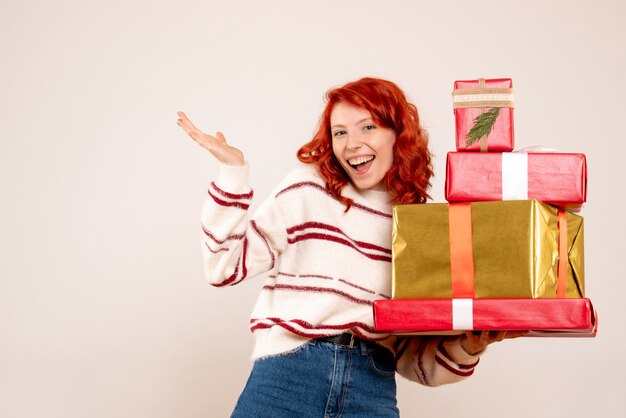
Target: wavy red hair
x=408 y=179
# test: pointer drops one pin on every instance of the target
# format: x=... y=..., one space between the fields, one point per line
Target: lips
x=361 y=164
x=360 y=160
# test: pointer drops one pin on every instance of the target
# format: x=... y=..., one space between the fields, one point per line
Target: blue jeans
x=322 y=380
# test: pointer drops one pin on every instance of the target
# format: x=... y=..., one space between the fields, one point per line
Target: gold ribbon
x=483 y=97
x=483 y=140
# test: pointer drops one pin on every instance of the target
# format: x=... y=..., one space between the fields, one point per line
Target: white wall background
x=104 y=311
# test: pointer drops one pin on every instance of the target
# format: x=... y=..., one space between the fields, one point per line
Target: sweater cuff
x=233 y=178
x=452 y=356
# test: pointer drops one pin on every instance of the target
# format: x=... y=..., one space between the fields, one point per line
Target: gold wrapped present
x=507 y=249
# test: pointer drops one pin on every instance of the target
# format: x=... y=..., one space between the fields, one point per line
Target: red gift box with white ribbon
x=543 y=317
x=556 y=178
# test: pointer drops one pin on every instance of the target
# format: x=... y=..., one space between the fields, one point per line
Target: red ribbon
x=461 y=250
x=561 y=284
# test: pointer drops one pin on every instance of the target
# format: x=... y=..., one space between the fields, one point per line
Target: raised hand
x=215 y=144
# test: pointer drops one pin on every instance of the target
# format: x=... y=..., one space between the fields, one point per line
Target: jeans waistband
x=349 y=340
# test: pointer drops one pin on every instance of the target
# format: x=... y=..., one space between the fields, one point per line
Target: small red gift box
x=556 y=178
x=545 y=317
x=478 y=103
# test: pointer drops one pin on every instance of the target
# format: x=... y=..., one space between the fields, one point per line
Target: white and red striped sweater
x=325 y=267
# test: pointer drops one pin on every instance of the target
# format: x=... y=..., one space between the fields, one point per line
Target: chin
x=365 y=184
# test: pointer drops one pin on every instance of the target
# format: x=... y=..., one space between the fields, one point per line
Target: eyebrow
x=343 y=126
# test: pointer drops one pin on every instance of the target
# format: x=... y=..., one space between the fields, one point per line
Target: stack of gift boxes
x=507 y=252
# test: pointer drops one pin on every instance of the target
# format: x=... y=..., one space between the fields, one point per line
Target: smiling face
x=364 y=148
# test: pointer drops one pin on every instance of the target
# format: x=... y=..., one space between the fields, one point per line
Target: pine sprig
x=483 y=124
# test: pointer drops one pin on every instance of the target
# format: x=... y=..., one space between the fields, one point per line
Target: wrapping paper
x=468 y=92
x=544 y=317
x=513 y=245
x=556 y=178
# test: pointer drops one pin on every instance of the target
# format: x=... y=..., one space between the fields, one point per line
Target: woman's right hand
x=215 y=144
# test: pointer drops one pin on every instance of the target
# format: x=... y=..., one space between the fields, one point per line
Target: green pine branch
x=483 y=124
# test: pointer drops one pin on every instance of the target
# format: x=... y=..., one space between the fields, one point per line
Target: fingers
x=216 y=145
x=187 y=126
x=489 y=337
x=482 y=336
x=196 y=134
x=206 y=141
x=497 y=336
x=185 y=120
x=188 y=129
x=473 y=342
x=515 y=334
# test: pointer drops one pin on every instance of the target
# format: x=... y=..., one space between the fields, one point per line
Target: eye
x=369 y=127
x=339 y=133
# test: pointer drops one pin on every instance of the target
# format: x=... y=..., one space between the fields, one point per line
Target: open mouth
x=361 y=164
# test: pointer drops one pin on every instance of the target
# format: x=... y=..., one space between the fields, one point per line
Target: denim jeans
x=321 y=380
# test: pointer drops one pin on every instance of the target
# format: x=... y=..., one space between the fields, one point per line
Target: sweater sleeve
x=433 y=360
x=235 y=248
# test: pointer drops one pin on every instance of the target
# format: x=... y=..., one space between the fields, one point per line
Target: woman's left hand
x=473 y=342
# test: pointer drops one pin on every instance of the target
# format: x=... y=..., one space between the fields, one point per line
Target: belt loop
x=363 y=348
x=351 y=341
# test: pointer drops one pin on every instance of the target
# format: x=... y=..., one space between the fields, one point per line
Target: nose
x=354 y=141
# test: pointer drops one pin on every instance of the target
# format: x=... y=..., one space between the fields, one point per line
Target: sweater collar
x=372 y=197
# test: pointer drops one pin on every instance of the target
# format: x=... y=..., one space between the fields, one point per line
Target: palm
x=216 y=145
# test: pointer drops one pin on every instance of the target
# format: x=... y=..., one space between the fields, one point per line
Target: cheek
x=336 y=150
x=389 y=150
x=388 y=161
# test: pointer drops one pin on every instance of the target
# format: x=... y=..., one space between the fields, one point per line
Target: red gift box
x=473 y=98
x=544 y=317
x=556 y=178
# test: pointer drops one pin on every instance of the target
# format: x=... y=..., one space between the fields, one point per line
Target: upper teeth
x=360 y=160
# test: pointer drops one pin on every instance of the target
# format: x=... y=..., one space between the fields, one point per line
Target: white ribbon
x=462 y=314
x=514 y=176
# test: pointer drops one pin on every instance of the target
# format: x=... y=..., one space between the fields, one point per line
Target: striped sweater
x=324 y=267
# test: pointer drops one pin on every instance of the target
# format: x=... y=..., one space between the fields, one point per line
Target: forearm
x=434 y=361
x=235 y=248
x=224 y=224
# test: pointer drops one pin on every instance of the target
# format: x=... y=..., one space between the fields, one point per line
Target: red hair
x=408 y=179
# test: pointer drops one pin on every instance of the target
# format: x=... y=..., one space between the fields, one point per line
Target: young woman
x=324 y=239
